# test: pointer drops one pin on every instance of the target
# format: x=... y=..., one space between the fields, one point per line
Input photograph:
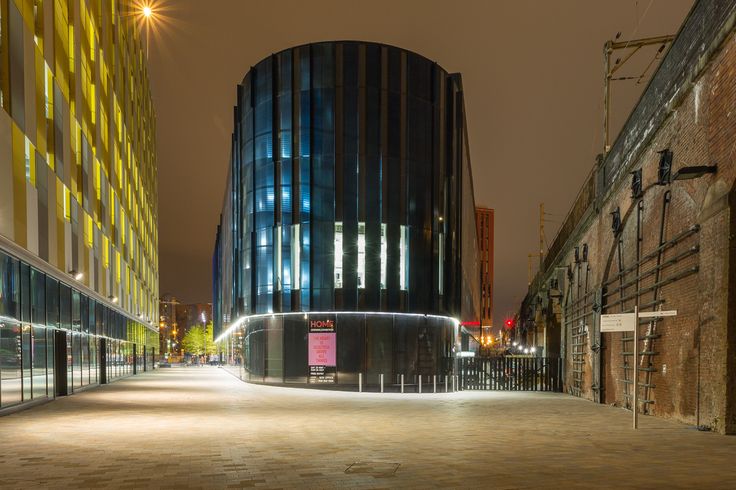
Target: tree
x=193 y=341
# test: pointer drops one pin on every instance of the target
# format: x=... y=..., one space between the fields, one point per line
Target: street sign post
x=629 y=322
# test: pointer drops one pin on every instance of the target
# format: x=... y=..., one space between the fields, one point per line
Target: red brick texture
x=688 y=373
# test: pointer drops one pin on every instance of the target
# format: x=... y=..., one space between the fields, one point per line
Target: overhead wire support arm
x=609 y=69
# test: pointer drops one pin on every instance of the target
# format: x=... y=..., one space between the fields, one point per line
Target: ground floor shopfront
x=56 y=340
x=341 y=348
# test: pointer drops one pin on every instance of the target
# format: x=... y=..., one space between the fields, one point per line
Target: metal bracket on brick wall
x=596 y=360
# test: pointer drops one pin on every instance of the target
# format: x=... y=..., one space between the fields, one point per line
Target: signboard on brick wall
x=620 y=322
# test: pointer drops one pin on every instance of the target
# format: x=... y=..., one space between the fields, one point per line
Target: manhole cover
x=377 y=469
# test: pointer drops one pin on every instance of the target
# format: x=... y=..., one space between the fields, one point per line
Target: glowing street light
x=147 y=11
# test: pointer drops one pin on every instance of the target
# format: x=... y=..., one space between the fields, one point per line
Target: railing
x=510 y=373
x=583 y=202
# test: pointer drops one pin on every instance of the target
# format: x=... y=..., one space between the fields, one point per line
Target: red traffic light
x=509 y=323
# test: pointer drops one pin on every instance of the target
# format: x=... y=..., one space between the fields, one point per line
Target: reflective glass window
x=52 y=302
x=9 y=287
x=38 y=297
x=11 y=380
x=39 y=362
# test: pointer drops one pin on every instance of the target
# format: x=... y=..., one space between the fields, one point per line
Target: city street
x=203 y=428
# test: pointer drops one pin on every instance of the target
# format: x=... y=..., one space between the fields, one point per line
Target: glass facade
x=348 y=191
x=51 y=336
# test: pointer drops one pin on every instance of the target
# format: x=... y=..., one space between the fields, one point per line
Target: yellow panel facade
x=73 y=84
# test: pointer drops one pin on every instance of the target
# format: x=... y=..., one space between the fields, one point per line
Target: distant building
x=175 y=320
x=484 y=229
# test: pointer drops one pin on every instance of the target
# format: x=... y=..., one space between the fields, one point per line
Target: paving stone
x=202 y=428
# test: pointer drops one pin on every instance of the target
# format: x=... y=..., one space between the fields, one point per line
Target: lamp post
x=147 y=12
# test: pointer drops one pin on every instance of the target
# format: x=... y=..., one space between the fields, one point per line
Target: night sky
x=532 y=73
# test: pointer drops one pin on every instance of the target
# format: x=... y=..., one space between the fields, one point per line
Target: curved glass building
x=347 y=242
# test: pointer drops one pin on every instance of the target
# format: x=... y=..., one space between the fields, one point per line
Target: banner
x=322 y=351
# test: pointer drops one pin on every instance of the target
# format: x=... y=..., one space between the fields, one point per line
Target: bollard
x=402 y=383
x=420 y=383
x=446 y=388
x=453 y=382
x=381 y=382
x=360 y=382
x=434 y=383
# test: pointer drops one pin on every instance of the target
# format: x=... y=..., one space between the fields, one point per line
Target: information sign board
x=322 y=346
x=620 y=322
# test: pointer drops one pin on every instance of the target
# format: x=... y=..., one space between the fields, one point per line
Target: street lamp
x=148 y=15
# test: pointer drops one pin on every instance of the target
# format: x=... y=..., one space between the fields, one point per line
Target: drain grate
x=376 y=469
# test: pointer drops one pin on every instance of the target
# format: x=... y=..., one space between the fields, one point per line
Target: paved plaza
x=203 y=428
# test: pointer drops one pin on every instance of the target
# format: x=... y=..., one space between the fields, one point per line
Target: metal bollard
x=453 y=383
x=420 y=383
x=446 y=388
x=402 y=383
x=360 y=382
x=381 y=382
x=434 y=383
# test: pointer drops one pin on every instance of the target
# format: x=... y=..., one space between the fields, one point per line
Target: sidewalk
x=203 y=428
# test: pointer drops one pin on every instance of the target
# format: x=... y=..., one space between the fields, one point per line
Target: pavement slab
x=184 y=428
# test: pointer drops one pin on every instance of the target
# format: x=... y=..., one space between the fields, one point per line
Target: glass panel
x=338 y=254
x=403 y=257
x=384 y=254
x=361 y=255
x=49 y=362
x=10 y=364
x=93 y=366
x=52 y=302
x=76 y=311
x=350 y=347
x=295 y=348
x=39 y=362
x=9 y=287
x=275 y=352
x=379 y=333
x=295 y=257
x=38 y=301
x=69 y=363
x=25 y=293
x=85 y=360
x=77 y=358
x=27 y=361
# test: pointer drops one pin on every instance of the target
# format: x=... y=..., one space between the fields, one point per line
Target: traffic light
x=509 y=323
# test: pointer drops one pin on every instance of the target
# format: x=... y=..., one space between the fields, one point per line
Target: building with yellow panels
x=78 y=198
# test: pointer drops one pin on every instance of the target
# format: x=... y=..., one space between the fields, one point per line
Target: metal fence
x=510 y=373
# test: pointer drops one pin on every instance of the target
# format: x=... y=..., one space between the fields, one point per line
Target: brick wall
x=689 y=373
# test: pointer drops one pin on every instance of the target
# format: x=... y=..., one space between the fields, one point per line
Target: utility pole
x=541 y=237
x=635 y=45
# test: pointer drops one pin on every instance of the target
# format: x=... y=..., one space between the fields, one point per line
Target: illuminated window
x=403 y=256
x=296 y=260
x=105 y=252
x=361 y=255
x=88 y=232
x=67 y=203
x=338 y=254
x=384 y=249
x=30 y=162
